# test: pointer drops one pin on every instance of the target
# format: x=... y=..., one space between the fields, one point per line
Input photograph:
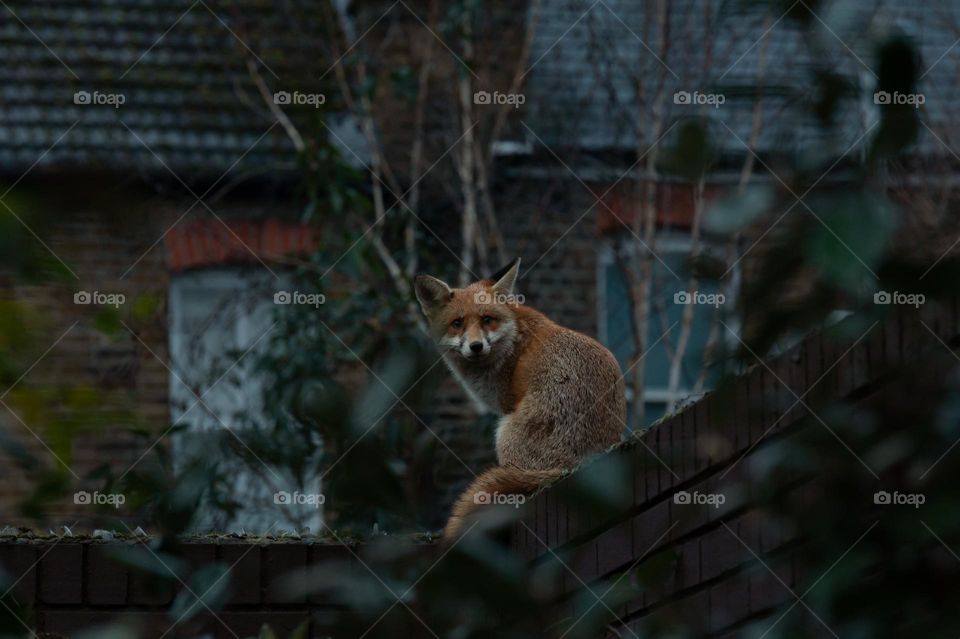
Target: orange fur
x=503 y=480
x=560 y=393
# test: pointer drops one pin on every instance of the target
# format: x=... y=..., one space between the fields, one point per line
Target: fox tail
x=503 y=480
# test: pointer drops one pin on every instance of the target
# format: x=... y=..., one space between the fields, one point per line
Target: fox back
x=560 y=393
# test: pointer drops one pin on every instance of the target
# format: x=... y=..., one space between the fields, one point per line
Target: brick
x=729 y=601
x=615 y=548
x=279 y=562
x=755 y=381
x=721 y=551
x=812 y=359
x=774 y=533
x=891 y=341
x=323 y=624
x=543 y=519
x=797 y=380
x=248 y=624
x=688 y=562
x=145 y=588
x=651 y=526
x=561 y=531
x=18 y=562
x=685 y=445
x=766 y=591
x=688 y=517
x=61 y=574
x=244 y=563
x=68 y=622
x=748 y=527
x=774 y=401
x=701 y=419
x=584 y=563
x=341 y=556
x=691 y=613
x=720 y=440
x=742 y=411
x=196 y=556
x=661 y=447
x=645 y=482
x=106 y=577
x=531 y=546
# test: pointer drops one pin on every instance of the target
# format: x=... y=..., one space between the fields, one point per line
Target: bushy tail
x=502 y=480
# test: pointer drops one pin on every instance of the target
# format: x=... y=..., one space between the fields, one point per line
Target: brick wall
x=720 y=568
x=725 y=566
x=111 y=246
x=70 y=585
x=110 y=254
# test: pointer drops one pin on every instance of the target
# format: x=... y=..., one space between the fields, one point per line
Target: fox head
x=478 y=321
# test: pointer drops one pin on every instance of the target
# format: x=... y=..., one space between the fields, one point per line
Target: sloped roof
x=179 y=67
x=591 y=60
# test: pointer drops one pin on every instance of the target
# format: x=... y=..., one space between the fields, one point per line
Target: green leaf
x=847 y=238
x=206 y=589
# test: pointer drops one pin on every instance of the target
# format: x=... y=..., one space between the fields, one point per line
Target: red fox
x=560 y=393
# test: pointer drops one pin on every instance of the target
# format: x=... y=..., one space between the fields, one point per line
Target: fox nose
x=476 y=347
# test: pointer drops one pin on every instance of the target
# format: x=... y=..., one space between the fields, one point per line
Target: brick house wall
x=99 y=248
x=728 y=566
x=135 y=252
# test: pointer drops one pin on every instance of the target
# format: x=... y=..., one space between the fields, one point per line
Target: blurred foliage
x=885 y=572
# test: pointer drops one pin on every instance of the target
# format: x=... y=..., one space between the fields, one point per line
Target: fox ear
x=506 y=277
x=431 y=292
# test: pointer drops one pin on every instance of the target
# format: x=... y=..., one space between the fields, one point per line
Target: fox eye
x=487 y=319
x=457 y=323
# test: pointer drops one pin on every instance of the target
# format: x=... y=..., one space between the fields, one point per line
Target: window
x=219 y=321
x=668 y=297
